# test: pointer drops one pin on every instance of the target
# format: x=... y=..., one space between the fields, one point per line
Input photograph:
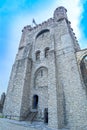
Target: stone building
x=48 y=78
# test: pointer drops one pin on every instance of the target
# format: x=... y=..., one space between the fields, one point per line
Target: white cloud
x=74 y=12
x=74 y=9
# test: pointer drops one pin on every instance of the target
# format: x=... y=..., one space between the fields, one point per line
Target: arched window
x=46 y=52
x=83 y=67
x=41 y=77
x=38 y=55
x=42 y=32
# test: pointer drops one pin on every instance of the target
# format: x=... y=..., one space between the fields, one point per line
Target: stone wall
x=58 y=86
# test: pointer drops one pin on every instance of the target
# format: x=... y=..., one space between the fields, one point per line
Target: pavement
x=7 y=124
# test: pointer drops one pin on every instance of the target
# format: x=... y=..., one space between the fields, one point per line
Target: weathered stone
x=48 y=80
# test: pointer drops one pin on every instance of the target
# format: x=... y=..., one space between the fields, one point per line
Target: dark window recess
x=38 y=55
x=35 y=101
x=41 y=73
x=46 y=52
x=42 y=32
x=46 y=115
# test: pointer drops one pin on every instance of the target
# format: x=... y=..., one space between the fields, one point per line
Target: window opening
x=38 y=55
x=41 y=73
x=46 y=52
x=35 y=101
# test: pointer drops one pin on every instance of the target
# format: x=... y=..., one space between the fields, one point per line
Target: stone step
x=31 y=116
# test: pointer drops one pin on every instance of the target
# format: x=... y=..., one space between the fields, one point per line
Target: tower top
x=60 y=13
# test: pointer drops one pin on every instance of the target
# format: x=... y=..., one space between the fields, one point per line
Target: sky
x=15 y=14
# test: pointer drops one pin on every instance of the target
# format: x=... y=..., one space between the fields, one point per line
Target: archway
x=83 y=67
x=35 y=101
x=40 y=76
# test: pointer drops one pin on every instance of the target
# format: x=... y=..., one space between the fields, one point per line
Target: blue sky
x=16 y=14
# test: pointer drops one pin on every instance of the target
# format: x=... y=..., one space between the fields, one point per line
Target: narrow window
x=35 y=102
x=41 y=73
x=46 y=52
x=38 y=55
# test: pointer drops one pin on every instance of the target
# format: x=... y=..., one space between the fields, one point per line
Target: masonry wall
x=69 y=79
x=25 y=101
x=60 y=88
x=14 y=96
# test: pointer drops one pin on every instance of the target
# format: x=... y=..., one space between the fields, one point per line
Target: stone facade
x=46 y=75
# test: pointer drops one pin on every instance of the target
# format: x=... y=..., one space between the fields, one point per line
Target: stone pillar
x=52 y=92
x=25 y=102
x=16 y=103
x=69 y=77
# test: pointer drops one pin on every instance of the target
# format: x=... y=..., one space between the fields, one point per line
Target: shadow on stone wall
x=2 y=101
